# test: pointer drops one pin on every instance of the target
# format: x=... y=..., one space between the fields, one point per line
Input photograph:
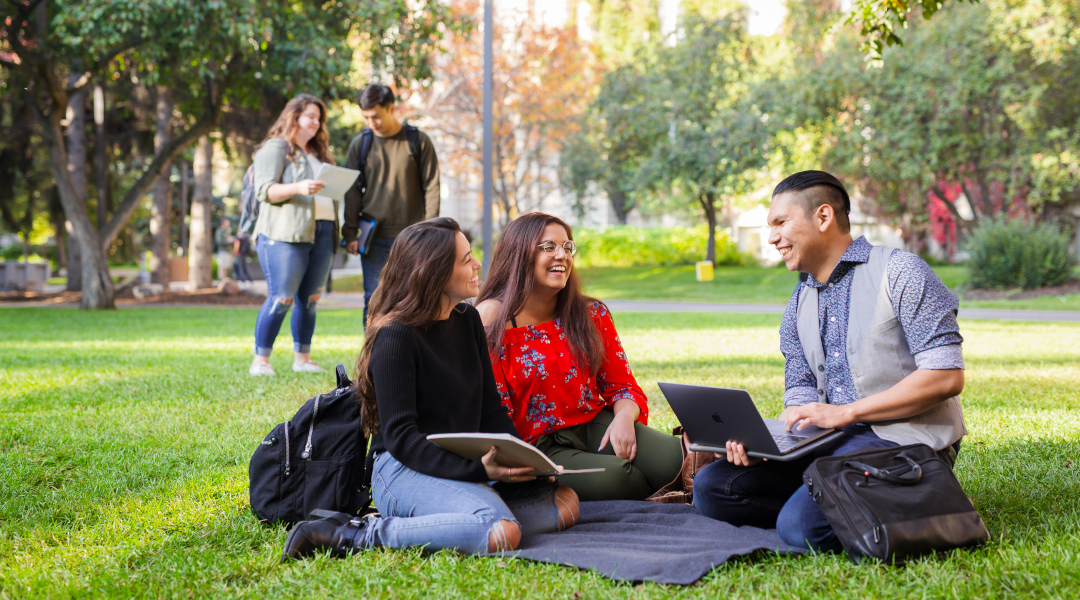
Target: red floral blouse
x=543 y=387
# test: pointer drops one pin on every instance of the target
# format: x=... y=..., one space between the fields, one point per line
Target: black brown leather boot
x=339 y=533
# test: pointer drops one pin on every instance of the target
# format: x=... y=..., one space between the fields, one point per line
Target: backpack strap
x=342 y=378
x=366 y=137
x=369 y=466
x=413 y=135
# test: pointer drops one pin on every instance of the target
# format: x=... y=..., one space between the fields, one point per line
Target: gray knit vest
x=877 y=354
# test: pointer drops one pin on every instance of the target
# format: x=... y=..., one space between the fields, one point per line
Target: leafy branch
x=879 y=20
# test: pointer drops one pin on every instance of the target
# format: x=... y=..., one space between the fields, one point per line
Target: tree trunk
x=100 y=160
x=618 y=202
x=59 y=231
x=183 y=166
x=200 y=274
x=161 y=211
x=76 y=167
x=708 y=203
x=97 y=288
x=74 y=259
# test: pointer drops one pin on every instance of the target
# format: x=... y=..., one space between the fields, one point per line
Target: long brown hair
x=510 y=281
x=289 y=121
x=410 y=292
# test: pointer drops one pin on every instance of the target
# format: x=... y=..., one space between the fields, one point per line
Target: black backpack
x=894 y=504
x=412 y=134
x=249 y=204
x=316 y=460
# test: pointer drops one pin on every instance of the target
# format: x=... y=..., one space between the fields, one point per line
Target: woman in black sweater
x=424 y=369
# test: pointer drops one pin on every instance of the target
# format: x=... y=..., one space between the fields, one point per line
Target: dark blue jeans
x=293 y=271
x=372 y=263
x=771 y=494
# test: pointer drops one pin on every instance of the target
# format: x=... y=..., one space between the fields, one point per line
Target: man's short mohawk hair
x=808 y=179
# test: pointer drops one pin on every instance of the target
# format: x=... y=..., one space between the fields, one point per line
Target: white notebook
x=512 y=452
x=336 y=180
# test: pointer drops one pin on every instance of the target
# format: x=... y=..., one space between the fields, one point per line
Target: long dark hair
x=511 y=280
x=289 y=121
x=410 y=291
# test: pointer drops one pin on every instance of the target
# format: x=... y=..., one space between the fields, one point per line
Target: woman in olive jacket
x=296 y=232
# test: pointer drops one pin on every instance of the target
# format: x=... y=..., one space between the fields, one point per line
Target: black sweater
x=435 y=379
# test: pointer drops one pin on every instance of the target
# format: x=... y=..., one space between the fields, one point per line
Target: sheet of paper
x=336 y=180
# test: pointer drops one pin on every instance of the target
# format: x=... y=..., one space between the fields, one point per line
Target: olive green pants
x=658 y=460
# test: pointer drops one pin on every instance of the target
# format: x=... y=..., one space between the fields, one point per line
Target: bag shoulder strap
x=366 y=138
x=412 y=134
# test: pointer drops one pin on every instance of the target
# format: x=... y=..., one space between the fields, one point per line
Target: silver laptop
x=712 y=416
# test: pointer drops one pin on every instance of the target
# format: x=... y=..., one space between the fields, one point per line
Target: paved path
x=352 y=301
x=965 y=313
x=356 y=301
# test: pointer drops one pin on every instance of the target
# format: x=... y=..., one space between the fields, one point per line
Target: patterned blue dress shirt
x=925 y=308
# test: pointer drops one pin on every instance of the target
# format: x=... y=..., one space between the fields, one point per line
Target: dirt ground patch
x=210 y=296
x=1068 y=288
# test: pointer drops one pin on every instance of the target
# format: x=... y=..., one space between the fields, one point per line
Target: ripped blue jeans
x=294 y=273
x=439 y=514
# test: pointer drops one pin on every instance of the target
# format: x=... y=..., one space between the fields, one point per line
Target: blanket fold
x=629 y=540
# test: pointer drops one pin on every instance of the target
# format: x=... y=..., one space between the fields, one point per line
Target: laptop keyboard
x=786 y=441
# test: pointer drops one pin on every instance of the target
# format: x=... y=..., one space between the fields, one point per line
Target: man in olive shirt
x=394 y=190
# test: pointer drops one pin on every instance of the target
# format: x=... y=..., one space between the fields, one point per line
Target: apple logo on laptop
x=716 y=417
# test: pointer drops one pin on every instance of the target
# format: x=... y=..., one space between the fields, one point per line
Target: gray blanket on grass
x=628 y=540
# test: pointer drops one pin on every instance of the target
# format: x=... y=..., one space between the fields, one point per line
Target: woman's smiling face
x=465 y=281
x=552 y=271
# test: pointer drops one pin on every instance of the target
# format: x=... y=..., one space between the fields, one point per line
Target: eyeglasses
x=551 y=248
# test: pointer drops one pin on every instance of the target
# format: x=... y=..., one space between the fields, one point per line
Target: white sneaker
x=259 y=369
x=308 y=367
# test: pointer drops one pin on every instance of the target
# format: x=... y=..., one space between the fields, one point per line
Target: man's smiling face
x=793 y=233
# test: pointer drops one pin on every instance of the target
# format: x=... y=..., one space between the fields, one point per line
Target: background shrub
x=626 y=246
x=1008 y=253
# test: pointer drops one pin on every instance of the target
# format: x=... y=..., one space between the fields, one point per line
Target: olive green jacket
x=292 y=220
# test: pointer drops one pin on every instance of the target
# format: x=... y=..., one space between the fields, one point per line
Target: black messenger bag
x=894 y=504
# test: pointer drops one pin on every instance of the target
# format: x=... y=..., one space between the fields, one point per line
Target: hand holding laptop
x=736 y=455
x=723 y=420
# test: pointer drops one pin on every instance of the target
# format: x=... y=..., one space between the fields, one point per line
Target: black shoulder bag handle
x=913 y=477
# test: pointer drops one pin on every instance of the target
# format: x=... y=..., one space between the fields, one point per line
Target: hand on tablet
x=496 y=472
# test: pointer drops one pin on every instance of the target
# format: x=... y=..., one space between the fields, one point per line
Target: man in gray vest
x=871 y=346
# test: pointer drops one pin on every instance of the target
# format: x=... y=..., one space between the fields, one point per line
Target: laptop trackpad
x=776 y=427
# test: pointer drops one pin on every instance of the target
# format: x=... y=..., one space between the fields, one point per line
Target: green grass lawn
x=126 y=436
x=758 y=286
x=750 y=285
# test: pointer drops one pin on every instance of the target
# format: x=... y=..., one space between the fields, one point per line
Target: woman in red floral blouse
x=562 y=371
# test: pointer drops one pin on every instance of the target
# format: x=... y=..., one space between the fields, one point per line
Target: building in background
x=461 y=187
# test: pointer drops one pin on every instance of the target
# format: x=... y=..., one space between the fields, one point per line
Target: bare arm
x=913 y=395
x=488 y=309
x=280 y=192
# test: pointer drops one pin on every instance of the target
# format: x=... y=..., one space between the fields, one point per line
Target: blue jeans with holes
x=421 y=510
x=294 y=271
x=372 y=263
x=771 y=494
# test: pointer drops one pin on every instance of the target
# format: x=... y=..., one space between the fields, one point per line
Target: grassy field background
x=751 y=285
x=126 y=436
